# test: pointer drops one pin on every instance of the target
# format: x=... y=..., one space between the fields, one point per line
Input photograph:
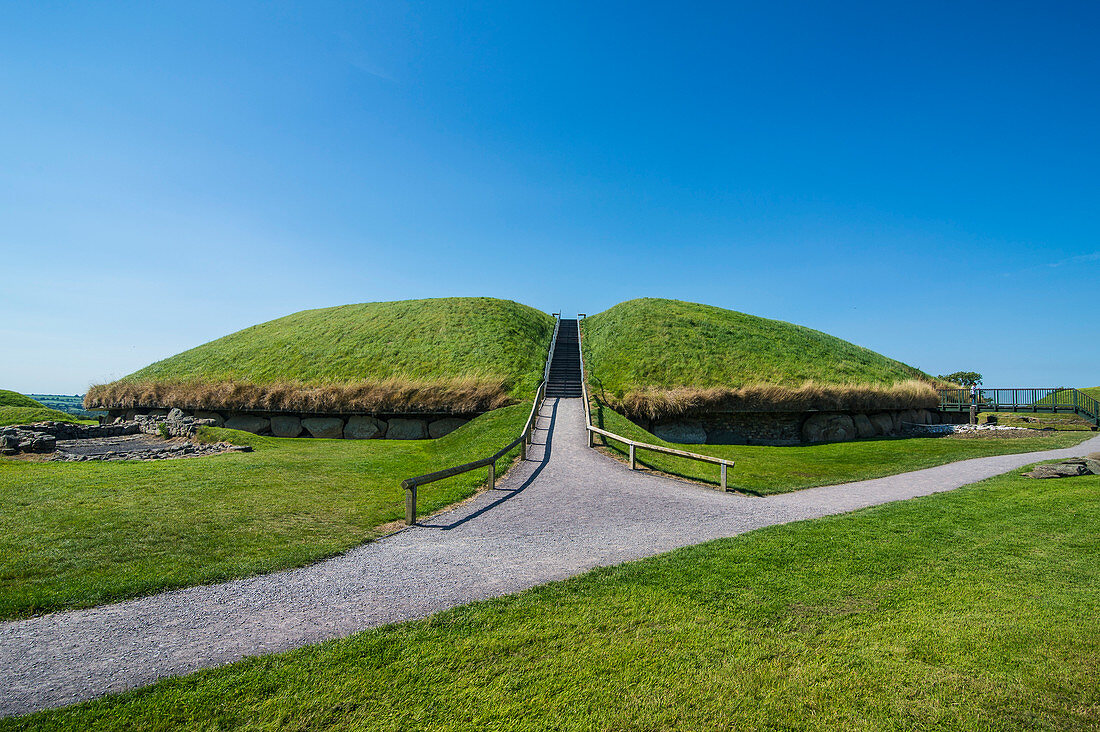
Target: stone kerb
x=322 y=426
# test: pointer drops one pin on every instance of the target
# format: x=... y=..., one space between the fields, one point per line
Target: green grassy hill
x=654 y=357
x=15 y=399
x=419 y=342
x=16 y=408
x=670 y=343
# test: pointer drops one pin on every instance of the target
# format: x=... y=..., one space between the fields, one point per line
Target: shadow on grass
x=510 y=492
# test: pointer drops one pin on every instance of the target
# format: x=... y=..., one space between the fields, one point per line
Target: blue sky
x=917 y=178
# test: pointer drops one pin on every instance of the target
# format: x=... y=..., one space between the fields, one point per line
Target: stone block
x=219 y=421
x=363 y=427
x=444 y=426
x=286 y=426
x=863 y=426
x=325 y=427
x=248 y=423
x=407 y=429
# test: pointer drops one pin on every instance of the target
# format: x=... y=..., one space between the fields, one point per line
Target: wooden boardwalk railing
x=635 y=445
x=411 y=484
x=1033 y=399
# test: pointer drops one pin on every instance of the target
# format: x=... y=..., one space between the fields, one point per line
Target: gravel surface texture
x=565 y=510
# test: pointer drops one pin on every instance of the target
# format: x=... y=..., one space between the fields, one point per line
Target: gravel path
x=566 y=510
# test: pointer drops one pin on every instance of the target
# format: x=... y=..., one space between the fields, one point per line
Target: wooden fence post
x=633 y=461
x=410 y=506
x=724 y=477
x=492 y=476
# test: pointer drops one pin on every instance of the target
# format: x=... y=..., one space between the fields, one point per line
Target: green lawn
x=652 y=342
x=80 y=534
x=16 y=408
x=974 y=609
x=15 y=399
x=764 y=470
x=1038 y=420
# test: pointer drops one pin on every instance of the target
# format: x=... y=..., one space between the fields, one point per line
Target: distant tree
x=966 y=378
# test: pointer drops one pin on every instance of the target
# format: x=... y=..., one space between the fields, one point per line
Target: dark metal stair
x=565 y=366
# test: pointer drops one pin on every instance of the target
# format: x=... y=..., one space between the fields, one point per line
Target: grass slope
x=80 y=534
x=669 y=343
x=16 y=408
x=975 y=609
x=764 y=470
x=421 y=339
x=15 y=399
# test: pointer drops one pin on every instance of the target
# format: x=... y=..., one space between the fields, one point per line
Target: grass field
x=15 y=408
x=420 y=340
x=974 y=609
x=80 y=534
x=1038 y=420
x=763 y=470
x=668 y=343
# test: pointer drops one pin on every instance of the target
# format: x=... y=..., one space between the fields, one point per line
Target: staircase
x=565 y=366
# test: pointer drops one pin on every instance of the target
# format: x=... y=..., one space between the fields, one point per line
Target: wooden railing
x=1034 y=399
x=635 y=445
x=411 y=484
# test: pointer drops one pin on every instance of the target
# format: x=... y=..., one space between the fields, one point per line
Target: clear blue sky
x=919 y=178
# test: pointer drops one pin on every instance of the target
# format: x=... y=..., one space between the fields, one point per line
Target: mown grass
x=28 y=415
x=974 y=609
x=763 y=470
x=1038 y=420
x=420 y=341
x=665 y=344
x=81 y=534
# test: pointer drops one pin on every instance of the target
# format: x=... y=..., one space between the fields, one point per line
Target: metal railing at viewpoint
x=1032 y=399
x=411 y=484
x=635 y=445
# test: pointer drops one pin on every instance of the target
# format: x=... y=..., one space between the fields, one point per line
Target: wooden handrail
x=411 y=484
x=635 y=445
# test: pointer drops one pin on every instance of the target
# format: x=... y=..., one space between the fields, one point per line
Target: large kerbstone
x=829 y=428
x=286 y=426
x=219 y=421
x=444 y=426
x=324 y=427
x=362 y=427
x=863 y=425
x=248 y=423
x=681 y=433
x=883 y=423
x=407 y=429
x=725 y=437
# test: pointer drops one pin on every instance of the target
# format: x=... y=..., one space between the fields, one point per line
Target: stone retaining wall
x=794 y=428
x=328 y=426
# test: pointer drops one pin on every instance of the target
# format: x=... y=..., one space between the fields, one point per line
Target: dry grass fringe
x=652 y=403
x=458 y=396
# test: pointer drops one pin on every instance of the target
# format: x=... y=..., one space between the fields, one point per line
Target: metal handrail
x=634 y=445
x=411 y=484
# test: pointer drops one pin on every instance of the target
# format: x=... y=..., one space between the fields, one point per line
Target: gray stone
x=407 y=429
x=1058 y=470
x=883 y=423
x=219 y=421
x=444 y=426
x=325 y=427
x=361 y=427
x=175 y=414
x=863 y=425
x=286 y=426
x=829 y=428
x=681 y=433
x=248 y=423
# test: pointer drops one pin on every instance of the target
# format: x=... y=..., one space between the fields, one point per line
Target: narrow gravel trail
x=566 y=510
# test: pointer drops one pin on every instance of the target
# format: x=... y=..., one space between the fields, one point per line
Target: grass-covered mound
x=970 y=610
x=16 y=408
x=653 y=357
x=450 y=354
